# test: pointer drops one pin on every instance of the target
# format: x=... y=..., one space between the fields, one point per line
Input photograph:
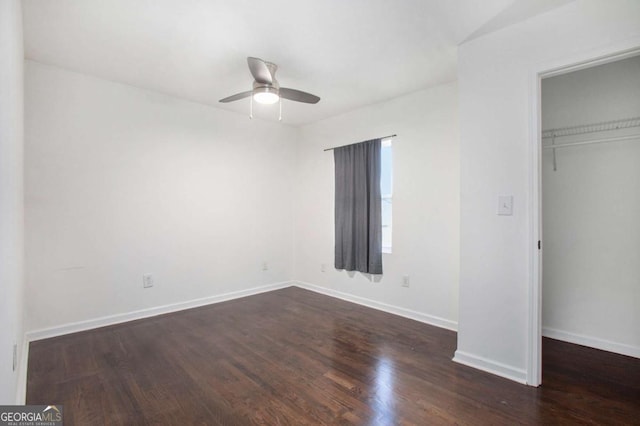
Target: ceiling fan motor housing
x=265 y=87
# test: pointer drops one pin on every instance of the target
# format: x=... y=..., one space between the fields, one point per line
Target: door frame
x=610 y=53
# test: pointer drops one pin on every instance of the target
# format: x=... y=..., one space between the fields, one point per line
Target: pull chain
x=279 y=105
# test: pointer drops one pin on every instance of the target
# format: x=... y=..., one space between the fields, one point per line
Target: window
x=386 y=191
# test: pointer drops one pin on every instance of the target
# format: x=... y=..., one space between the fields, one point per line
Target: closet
x=591 y=207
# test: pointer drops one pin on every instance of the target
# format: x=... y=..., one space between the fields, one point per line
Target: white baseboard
x=74 y=327
x=503 y=370
x=396 y=310
x=592 y=342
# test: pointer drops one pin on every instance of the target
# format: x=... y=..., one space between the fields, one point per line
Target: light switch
x=505 y=205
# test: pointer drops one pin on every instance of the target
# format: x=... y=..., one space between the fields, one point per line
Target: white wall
x=121 y=181
x=425 y=204
x=601 y=93
x=591 y=206
x=495 y=73
x=11 y=195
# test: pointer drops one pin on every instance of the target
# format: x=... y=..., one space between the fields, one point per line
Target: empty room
x=319 y=212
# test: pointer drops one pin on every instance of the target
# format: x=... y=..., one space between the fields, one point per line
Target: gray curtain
x=357 y=216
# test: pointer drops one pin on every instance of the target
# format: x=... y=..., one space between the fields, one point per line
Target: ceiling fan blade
x=236 y=96
x=298 y=96
x=259 y=70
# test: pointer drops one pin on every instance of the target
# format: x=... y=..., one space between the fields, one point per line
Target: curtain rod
x=384 y=137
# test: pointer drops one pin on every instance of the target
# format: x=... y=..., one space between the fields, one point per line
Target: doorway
x=585 y=205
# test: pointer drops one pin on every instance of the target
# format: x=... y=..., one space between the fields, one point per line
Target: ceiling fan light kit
x=266 y=95
x=266 y=89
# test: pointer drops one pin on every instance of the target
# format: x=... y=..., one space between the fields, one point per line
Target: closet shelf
x=603 y=126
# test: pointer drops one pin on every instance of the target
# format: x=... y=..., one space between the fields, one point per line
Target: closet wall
x=591 y=211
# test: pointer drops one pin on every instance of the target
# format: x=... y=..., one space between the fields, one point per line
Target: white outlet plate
x=406 y=281
x=147 y=280
x=323 y=267
x=265 y=266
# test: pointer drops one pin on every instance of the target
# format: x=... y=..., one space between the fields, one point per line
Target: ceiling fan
x=267 y=90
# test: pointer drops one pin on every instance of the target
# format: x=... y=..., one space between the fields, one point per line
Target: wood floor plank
x=294 y=357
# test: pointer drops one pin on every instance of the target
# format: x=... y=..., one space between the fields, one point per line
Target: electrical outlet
x=405 y=281
x=15 y=356
x=147 y=280
x=323 y=267
x=265 y=266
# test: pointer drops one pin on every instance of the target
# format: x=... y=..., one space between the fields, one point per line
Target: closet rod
x=594 y=141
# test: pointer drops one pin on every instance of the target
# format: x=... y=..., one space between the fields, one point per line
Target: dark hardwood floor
x=294 y=357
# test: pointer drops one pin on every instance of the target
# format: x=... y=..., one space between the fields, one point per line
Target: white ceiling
x=351 y=53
